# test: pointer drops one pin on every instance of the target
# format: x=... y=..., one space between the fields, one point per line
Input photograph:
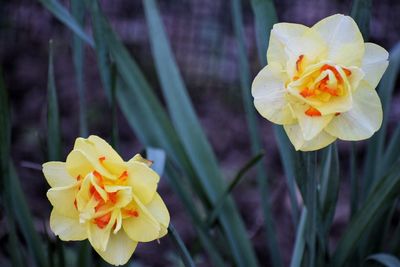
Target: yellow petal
x=77 y=164
x=99 y=237
x=67 y=228
x=362 y=121
x=374 y=63
x=268 y=90
x=113 y=162
x=343 y=38
x=160 y=212
x=56 y=174
x=310 y=126
x=62 y=199
x=124 y=194
x=139 y=158
x=357 y=75
x=143 y=228
x=295 y=135
x=119 y=249
x=143 y=180
x=280 y=35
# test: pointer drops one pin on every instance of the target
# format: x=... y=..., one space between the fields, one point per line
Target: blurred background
x=203 y=41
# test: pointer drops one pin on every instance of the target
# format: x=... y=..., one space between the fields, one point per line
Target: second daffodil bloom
x=98 y=196
x=320 y=82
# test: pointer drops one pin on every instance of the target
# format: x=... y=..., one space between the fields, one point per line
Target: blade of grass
x=265 y=17
x=78 y=12
x=385 y=259
x=176 y=239
x=5 y=180
x=65 y=17
x=193 y=138
x=354 y=182
x=25 y=220
x=377 y=142
x=361 y=13
x=262 y=177
x=311 y=203
x=238 y=177
x=381 y=197
x=392 y=152
x=299 y=245
x=53 y=119
x=187 y=200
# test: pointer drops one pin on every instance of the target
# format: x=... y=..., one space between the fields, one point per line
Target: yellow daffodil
x=98 y=196
x=320 y=82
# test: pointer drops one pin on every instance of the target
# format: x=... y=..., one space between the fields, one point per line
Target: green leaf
x=194 y=141
x=354 y=180
x=392 y=152
x=265 y=17
x=180 y=246
x=65 y=17
x=84 y=258
x=256 y=146
x=377 y=142
x=381 y=197
x=299 y=245
x=330 y=181
x=385 y=259
x=25 y=220
x=361 y=13
x=53 y=116
x=239 y=176
x=78 y=11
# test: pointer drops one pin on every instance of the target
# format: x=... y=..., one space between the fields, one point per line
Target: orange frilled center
x=101 y=201
x=322 y=84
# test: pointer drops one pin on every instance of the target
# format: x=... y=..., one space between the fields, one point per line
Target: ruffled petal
x=374 y=63
x=295 y=135
x=56 y=174
x=310 y=126
x=343 y=39
x=160 y=212
x=268 y=90
x=63 y=198
x=67 y=228
x=119 y=249
x=143 y=180
x=362 y=121
x=99 y=237
x=143 y=227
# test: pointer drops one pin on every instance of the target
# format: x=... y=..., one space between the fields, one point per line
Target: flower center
x=319 y=83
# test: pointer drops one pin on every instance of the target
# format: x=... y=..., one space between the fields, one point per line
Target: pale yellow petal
x=67 y=228
x=139 y=158
x=310 y=126
x=343 y=39
x=295 y=135
x=362 y=121
x=77 y=164
x=374 y=63
x=119 y=249
x=280 y=35
x=144 y=227
x=56 y=174
x=357 y=75
x=62 y=199
x=99 y=237
x=124 y=194
x=160 y=212
x=112 y=161
x=268 y=90
x=143 y=180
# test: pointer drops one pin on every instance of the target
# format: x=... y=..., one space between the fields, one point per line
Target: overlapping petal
x=56 y=174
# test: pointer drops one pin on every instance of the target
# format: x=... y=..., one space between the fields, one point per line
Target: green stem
x=183 y=251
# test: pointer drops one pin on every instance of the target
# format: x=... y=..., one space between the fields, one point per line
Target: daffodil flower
x=320 y=82
x=98 y=196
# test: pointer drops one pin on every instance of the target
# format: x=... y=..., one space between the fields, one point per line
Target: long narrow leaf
x=219 y=204
x=385 y=259
x=53 y=117
x=251 y=118
x=176 y=239
x=65 y=17
x=299 y=245
x=193 y=138
x=78 y=11
x=381 y=197
x=361 y=13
